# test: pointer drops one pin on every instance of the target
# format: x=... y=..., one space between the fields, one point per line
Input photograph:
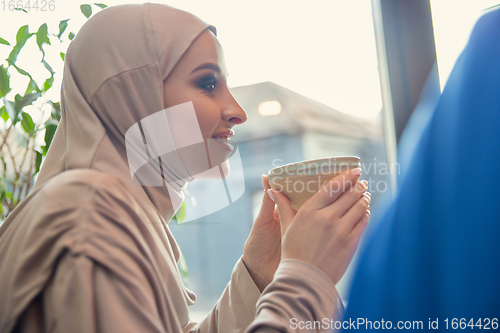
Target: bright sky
x=323 y=49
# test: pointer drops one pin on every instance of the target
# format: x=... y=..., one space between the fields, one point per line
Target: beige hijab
x=113 y=78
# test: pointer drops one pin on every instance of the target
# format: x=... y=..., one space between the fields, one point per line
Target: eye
x=208 y=83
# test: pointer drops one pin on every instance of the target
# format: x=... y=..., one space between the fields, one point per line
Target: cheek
x=171 y=98
x=208 y=116
x=175 y=94
x=206 y=107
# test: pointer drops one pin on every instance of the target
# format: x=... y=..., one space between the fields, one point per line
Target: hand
x=262 y=250
x=326 y=230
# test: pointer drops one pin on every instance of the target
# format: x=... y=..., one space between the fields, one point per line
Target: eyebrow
x=208 y=65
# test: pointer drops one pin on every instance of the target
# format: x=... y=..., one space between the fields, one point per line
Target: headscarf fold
x=113 y=78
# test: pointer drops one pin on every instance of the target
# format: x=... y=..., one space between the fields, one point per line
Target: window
x=318 y=62
x=453 y=22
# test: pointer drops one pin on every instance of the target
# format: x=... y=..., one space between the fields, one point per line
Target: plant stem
x=6 y=135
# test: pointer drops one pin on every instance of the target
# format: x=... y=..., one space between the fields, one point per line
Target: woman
x=89 y=250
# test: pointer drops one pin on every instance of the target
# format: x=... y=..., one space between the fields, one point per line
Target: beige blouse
x=80 y=255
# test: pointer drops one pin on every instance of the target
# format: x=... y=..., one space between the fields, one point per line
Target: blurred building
x=282 y=127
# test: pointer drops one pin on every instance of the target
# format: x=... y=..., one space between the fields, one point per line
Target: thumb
x=285 y=210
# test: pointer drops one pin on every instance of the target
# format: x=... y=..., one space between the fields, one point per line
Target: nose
x=233 y=113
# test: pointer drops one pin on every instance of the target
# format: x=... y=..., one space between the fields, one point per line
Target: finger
x=265 y=182
x=276 y=215
x=357 y=210
x=267 y=207
x=285 y=210
x=347 y=199
x=334 y=188
x=360 y=226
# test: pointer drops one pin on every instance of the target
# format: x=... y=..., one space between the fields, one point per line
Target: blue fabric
x=435 y=253
x=418 y=120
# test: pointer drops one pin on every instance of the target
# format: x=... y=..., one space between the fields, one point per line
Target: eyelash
x=207 y=82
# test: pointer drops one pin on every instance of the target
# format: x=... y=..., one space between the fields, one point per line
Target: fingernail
x=365 y=182
x=368 y=194
x=357 y=171
x=270 y=194
x=262 y=178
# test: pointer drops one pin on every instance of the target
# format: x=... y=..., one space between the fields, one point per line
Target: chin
x=216 y=166
x=225 y=168
x=220 y=171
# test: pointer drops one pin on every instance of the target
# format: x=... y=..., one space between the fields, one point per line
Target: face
x=200 y=77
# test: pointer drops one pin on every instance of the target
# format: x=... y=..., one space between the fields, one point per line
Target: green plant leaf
x=38 y=161
x=21 y=9
x=48 y=83
x=71 y=36
x=22 y=35
x=32 y=87
x=86 y=10
x=42 y=35
x=50 y=130
x=13 y=55
x=63 y=55
x=21 y=71
x=62 y=27
x=100 y=5
x=4 y=189
x=3 y=41
x=56 y=110
x=25 y=100
x=4 y=114
x=4 y=81
x=10 y=107
x=27 y=123
x=21 y=38
x=42 y=38
x=46 y=64
x=180 y=215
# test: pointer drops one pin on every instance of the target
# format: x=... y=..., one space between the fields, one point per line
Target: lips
x=224 y=143
x=227 y=134
x=222 y=139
